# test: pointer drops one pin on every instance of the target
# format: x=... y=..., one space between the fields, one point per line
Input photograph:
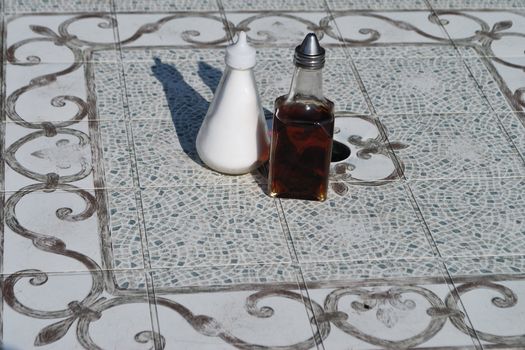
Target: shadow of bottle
x=187 y=106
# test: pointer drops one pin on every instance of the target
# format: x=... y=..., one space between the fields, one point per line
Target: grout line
x=454 y=292
x=138 y=200
x=2 y=165
x=302 y=282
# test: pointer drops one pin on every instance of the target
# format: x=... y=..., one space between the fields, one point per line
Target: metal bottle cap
x=309 y=54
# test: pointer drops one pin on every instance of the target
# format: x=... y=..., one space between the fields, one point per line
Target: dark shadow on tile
x=183 y=97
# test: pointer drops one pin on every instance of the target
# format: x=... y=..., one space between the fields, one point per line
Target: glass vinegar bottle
x=303 y=126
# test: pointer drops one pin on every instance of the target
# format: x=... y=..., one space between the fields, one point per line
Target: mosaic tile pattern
x=165 y=5
x=116 y=156
x=106 y=77
x=221 y=277
x=341 y=5
x=368 y=223
x=477 y=4
x=275 y=5
x=363 y=270
x=207 y=226
x=407 y=51
x=423 y=86
x=488 y=85
x=166 y=156
x=476 y=217
x=454 y=146
x=125 y=238
x=516 y=130
x=487 y=265
x=56 y=6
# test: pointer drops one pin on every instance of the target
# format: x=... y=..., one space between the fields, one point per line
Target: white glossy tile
x=181 y=29
x=361 y=29
x=503 y=31
x=286 y=29
x=31 y=155
x=384 y=304
x=494 y=298
x=60 y=301
x=270 y=317
x=86 y=155
x=37 y=34
x=101 y=227
x=370 y=159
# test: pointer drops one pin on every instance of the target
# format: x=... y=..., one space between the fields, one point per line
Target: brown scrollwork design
x=393 y=296
x=186 y=35
x=10 y=155
x=268 y=37
x=506 y=299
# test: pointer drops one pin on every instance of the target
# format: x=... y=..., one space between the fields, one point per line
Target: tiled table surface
x=116 y=237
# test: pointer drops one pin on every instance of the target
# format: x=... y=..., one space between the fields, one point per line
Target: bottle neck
x=306 y=84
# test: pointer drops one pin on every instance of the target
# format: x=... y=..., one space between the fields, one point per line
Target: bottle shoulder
x=304 y=110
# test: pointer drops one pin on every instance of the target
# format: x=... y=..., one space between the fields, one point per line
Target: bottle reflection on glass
x=303 y=126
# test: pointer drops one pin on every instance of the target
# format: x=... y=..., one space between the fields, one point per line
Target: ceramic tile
x=515 y=127
x=485 y=74
x=206 y=226
x=224 y=277
x=341 y=5
x=366 y=223
x=101 y=225
x=189 y=30
x=359 y=30
x=35 y=96
x=61 y=300
x=503 y=31
x=477 y=4
x=500 y=83
x=165 y=5
x=275 y=317
x=494 y=302
x=338 y=273
x=31 y=38
x=387 y=304
x=56 y=6
x=370 y=159
x=473 y=217
x=273 y=5
x=106 y=88
x=461 y=268
x=454 y=146
x=31 y=155
x=420 y=86
x=285 y=29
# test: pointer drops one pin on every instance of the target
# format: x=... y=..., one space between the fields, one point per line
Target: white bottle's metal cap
x=240 y=55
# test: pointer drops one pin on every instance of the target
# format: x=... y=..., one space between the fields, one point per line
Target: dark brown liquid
x=301 y=150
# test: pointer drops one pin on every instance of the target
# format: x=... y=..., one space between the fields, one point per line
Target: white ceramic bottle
x=233 y=137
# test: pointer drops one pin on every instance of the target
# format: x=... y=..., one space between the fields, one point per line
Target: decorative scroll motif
x=385 y=304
